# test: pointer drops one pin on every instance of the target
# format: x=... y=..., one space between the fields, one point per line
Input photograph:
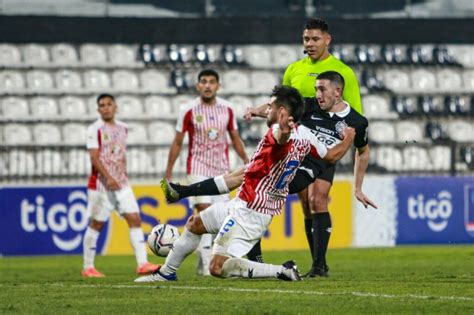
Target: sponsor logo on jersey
x=316 y=117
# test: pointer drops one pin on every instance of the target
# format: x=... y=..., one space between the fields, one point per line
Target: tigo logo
x=436 y=211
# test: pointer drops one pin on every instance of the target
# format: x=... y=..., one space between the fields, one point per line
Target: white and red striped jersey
x=273 y=166
x=207 y=126
x=111 y=140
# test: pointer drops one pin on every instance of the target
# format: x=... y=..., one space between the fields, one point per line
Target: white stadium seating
x=17 y=134
x=68 y=81
x=96 y=80
x=11 y=81
x=235 y=81
x=161 y=132
x=39 y=81
x=14 y=108
x=64 y=55
x=158 y=106
x=74 y=134
x=258 y=56
x=46 y=134
x=128 y=107
x=72 y=107
x=93 y=55
x=124 y=81
x=9 y=55
x=35 y=55
x=43 y=108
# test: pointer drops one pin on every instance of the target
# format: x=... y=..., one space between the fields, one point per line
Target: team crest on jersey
x=199 y=118
x=105 y=137
x=116 y=149
x=340 y=126
x=212 y=133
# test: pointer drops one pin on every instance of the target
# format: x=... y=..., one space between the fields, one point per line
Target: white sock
x=205 y=252
x=239 y=267
x=221 y=185
x=89 y=247
x=182 y=247
x=137 y=239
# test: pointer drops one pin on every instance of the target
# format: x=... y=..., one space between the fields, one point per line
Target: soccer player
x=108 y=187
x=302 y=75
x=207 y=120
x=326 y=116
x=242 y=221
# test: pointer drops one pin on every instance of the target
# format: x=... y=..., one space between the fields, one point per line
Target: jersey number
x=290 y=167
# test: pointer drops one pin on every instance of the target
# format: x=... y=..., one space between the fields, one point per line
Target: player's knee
x=194 y=224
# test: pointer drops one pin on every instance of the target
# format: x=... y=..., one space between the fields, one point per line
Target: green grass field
x=396 y=280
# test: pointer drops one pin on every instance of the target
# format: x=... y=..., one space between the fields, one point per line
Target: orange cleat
x=147 y=268
x=92 y=273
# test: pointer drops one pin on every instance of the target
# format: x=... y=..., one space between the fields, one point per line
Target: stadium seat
x=49 y=163
x=262 y=82
x=17 y=134
x=156 y=81
x=201 y=53
x=440 y=157
x=423 y=81
x=457 y=105
x=409 y=131
x=158 y=106
x=35 y=55
x=463 y=54
x=123 y=55
x=139 y=162
x=394 y=54
x=442 y=56
x=39 y=81
x=9 y=55
x=15 y=108
x=382 y=131
x=420 y=54
x=283 y=55
x=74 y=134
x=415 y=158
x=91 y=105
x=72 y=107
x=232 y=55
x=468 y=79
x=136 y=133
x=129 y=107
x=78 y=162
x=64 y=55
x=436 y=131
x=345 y=52
x=367 y=54
x=44 y=108
x=461 y=131
x=370 y=79
x=180 y=101
x=466 y=155
x=404 y=105
x=46 y=134
x=377 y=106
x=22 y=163
x=11 y=82
x=258 y=56
x=160 y=155
x=389 y=158
x=125 y=81
x=161 y=132
x=396 y=80
x=431 y=105
x=96 y=81
x=93 y=55
x=449 y=80
x=240 y=103
x=68 y=81
x=235 y=81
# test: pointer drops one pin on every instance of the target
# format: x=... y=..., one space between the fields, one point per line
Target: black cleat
x=170 y=190
x=321 y=270
x=290 y=272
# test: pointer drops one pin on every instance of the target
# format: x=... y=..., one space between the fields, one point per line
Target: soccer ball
x=161 y=239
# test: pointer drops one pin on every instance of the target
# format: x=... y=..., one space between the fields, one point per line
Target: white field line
x=229 y=289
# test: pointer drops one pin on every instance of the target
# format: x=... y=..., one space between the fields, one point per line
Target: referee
x=302 y=75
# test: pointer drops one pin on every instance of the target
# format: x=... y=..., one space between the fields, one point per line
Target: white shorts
x=213 y=216
x=101 y=203
x=240 y=230
x=203 y=199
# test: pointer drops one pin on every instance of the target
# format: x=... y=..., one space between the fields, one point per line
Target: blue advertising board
x=435 y=210
x=44 y=221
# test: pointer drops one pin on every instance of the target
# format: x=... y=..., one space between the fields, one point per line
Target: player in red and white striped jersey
x=108 y=187
x=242 y=221
x=207 y=120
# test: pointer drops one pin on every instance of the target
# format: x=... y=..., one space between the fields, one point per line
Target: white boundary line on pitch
x=230 y=289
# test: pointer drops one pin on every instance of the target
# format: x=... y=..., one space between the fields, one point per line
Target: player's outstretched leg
x=239 y=267
x=209 y=187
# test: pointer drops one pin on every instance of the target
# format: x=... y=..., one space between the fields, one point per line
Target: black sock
x=308 y=227
x=205 y=188
x=255 y=253
x=322 y=222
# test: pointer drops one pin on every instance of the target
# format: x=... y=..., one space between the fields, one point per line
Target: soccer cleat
x=171 y=190
x=157 y=276
x=320 y=270
x=290 y=272
x=92 y=273
x=147 y=268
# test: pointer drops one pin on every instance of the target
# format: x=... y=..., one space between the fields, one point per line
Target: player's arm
x=110 y=182
x=360 y=167
x=282 y=130
x=238 y=145
x=174 y=152
x=336 y=153
x=258 y=111
x=351 y=92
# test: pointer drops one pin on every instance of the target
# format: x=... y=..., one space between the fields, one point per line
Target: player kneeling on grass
x=242 y=221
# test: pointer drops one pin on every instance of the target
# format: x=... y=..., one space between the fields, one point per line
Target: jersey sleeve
x=362 y=132
x=232 y=124
x=351 y=91
x=184 y=120
x=93 y=135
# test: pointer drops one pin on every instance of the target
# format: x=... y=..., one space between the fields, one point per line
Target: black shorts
x=303 y=178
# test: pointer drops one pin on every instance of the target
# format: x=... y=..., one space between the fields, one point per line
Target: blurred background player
x=108 y=187
x=302 y=75
x=207 y=120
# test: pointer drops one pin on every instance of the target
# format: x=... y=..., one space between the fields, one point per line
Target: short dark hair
x=316 y=24
x=104 y=95
x=291 y=99
x=332 y=76
x=208 y=72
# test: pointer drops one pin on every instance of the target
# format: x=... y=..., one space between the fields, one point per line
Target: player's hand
x=112 y=184
x=286 y=121
x=249 y=113
x=349 y=133
x=365 y=200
